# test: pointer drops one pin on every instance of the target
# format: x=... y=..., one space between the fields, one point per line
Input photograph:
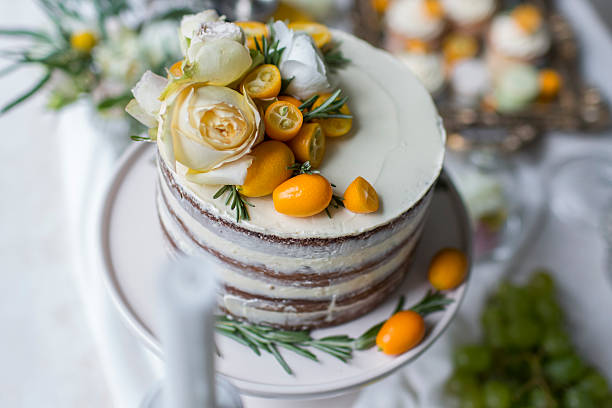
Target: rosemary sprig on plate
x=327 y=110
x=269 y=339
x=433 y=301
x=236 y=201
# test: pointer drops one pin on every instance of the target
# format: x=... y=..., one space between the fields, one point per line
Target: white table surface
x=50 y=357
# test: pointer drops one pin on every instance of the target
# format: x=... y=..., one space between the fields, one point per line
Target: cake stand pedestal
x=131 y=246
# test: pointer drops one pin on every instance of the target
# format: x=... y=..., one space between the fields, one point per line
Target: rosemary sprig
x=327 y=110
x=302 y=168
x=236 y=201
x=269 y=339
x=269 y=49
x=335 y=203
x=433 y=301
x=141 y=138
x=334 y=59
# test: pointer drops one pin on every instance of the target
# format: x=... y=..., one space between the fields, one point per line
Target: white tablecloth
x=63 y=345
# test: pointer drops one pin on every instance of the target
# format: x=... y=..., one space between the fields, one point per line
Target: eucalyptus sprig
x=433 y=301
x=269 y=339
x=236 y=201
x=327 y=110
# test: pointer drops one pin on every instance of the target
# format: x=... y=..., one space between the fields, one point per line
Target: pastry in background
x=518 y=36
x=551 y=83
x=428 y=67
x=470 y=81
x=516 y=88
x=409 y=20
x=458 y=46
x=469 y=16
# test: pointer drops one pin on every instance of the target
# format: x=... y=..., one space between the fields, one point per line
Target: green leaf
x=28 y=94
x=37 y=35
x=114 y=101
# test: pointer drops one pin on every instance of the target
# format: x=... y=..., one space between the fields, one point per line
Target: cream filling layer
x=247 y=284
x=248 y=309
x=332 y=261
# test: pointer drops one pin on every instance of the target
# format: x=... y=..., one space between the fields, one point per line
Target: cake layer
x=285 y=258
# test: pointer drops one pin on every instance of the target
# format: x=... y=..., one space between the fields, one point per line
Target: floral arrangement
x=249 y=108
x=96 y=48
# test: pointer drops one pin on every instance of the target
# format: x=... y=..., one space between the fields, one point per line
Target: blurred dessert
x=516 y=88
x=551 y=83
x=470 y=81
x=469 y=16
x=408 y=20
x=518 y=36
x=458 y=46
x=428 y=68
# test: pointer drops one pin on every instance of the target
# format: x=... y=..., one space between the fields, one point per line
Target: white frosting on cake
x=508 y=38
x=466 y=12
x=429 y=68
x=408 y=18
x=397 y=144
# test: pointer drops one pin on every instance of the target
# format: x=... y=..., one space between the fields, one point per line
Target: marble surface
x=51 y=355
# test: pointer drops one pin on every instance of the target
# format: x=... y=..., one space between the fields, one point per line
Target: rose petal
x=147 y=92
x=136 y=111
x=232 y=173
x=306 y=82
x=217 y=62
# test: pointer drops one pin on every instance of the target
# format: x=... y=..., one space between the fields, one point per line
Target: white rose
x=192 y=23
x=302 y=61
x=214 y=49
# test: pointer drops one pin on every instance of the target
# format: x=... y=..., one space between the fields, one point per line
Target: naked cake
x=280 y=267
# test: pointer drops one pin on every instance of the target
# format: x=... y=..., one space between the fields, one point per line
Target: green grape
x=563 y=371
x=494 y=327
x=549 y=312
x=497 y=395
x=576 y=398
x=515 y=366
x=541 y=283
x=517 y=303
x=524 y=333
x=460 y=383
x=472 y=399
x=472 y=359
x=606 y=402
x=538 y=398
x=556 y=343
x=594 y=384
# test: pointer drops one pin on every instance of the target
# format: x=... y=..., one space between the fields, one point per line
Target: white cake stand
x=131 y=249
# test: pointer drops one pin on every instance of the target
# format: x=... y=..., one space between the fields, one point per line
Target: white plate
x=132 y=248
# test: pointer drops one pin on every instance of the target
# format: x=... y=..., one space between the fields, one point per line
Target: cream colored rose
x=209 y=126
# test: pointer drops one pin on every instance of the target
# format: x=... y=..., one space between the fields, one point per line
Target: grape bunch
x=526 y=358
